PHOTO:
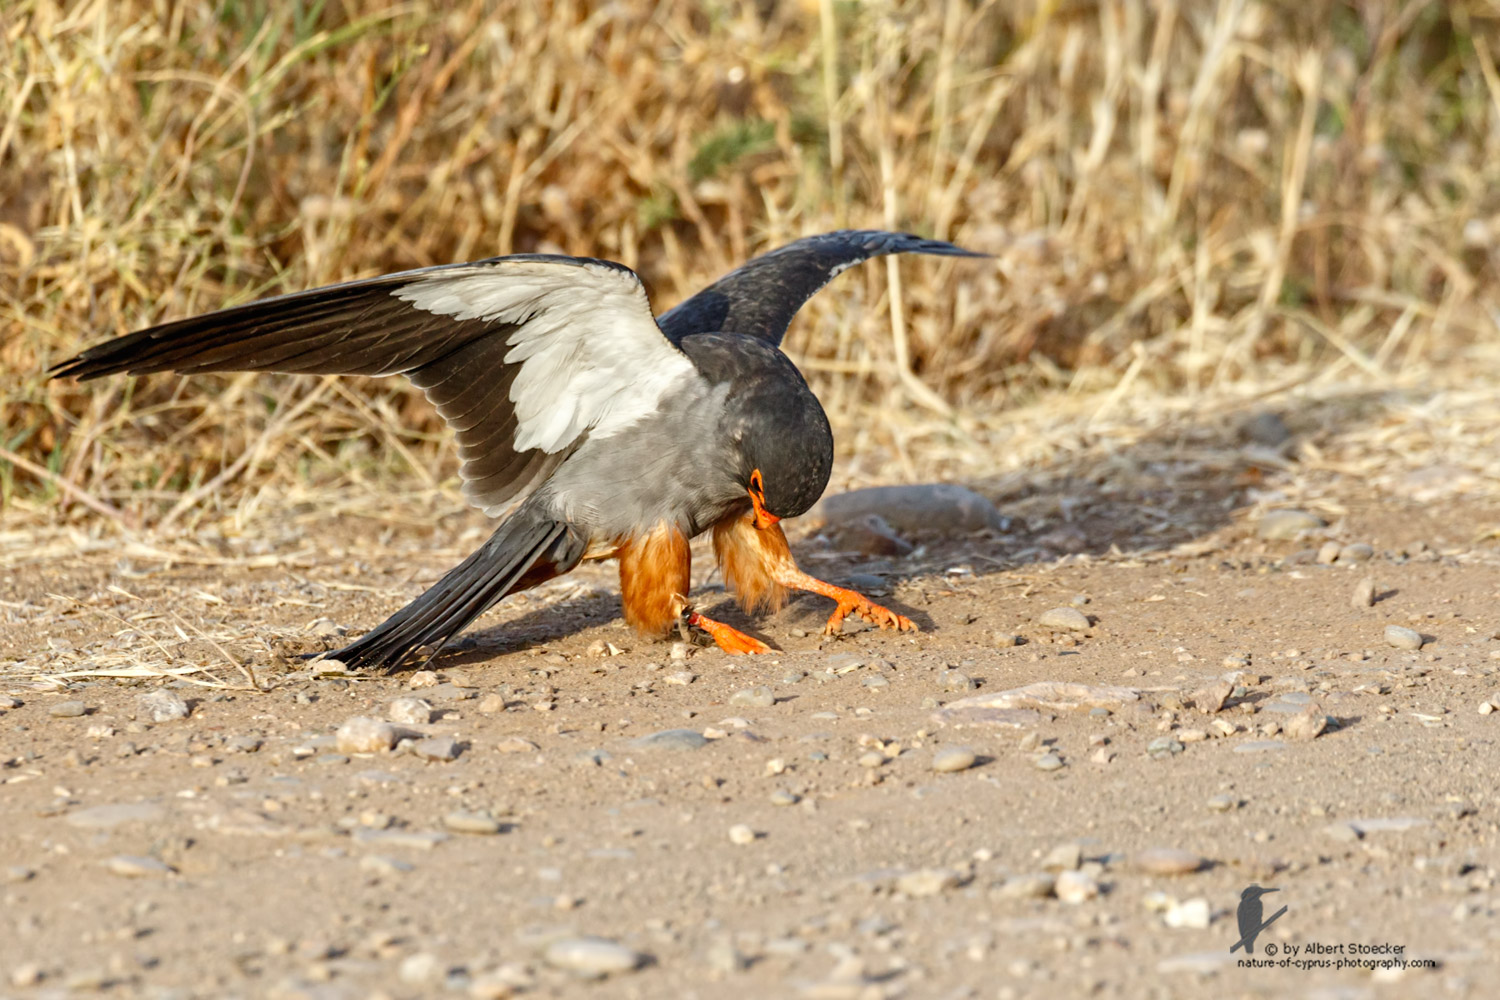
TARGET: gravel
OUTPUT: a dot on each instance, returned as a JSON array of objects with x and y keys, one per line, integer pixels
[
  {"x": 951, "y": 759},
  {"x": 440, "y": 749},
  {"x": 671, "y": 739},
  {"x": 135, "y": 866},
  {"x": 929, "y": 882},
  {"x": 1075, "y": 887},
  {"x": 411, "y": 711},
  {"x": 1194, "y": 914},
  {"x": 1064, "y": 619},
  {"x": 462, "y": 821},
  {"x": 592, "y": 957},
  {"x": 1033, "y": 885},
  {"x": 1168, "y": 861},
  {"x": 1048, "y": 762},
  {"x": 760, "y": 696},
  {"x": 1402, "y": 637},
  {"x": 1307, "y": 724},
  {"x": 362, "y": 734},
  {"x": 161, "y": 706}
]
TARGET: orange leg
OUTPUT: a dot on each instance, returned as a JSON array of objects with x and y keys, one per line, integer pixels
[
  {"x": 759, "y": 564},
  {"x": 849, "y": 601},
  {"x": 731, "y": 641}
]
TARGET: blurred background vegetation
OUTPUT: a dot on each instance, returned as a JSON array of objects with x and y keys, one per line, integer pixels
[{"x": 1185, "y": 194}]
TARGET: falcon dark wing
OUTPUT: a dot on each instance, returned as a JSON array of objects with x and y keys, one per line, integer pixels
[{"x": 760, "y": 298}]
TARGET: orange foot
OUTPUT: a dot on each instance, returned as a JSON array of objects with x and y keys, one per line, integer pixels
[
  {"x": 857, "y": 604},
  {"x": 731, "y": 641}
]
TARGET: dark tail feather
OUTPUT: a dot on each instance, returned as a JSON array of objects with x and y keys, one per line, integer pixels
[{"x": 466, "y": 591}]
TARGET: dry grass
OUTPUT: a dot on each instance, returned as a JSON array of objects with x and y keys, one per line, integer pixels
[{"x": 1181, "y": 196}]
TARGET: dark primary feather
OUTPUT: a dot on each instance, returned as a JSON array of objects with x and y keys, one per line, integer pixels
[
  {"x": 465, "y": 366},
  {"x": 760, "y": 298}
]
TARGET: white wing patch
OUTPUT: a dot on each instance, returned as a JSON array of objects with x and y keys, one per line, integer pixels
[{"x": 592, "y": 357}]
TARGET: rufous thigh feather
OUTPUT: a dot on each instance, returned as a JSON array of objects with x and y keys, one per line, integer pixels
[
  {"x": 753, "y": 561},
  {"x": 655, "y": 576}
]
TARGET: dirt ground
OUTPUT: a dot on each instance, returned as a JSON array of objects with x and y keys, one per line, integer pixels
[{"x": 807, "y": 847}]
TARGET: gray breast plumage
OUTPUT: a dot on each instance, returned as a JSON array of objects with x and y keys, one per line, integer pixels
[{"x": 674, "y": 466}]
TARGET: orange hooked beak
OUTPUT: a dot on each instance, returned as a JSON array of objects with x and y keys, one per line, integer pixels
[{"x": 762, "y": 517}]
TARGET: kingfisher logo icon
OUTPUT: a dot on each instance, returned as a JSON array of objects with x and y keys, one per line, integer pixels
[{"x": 1249, "y": 917}]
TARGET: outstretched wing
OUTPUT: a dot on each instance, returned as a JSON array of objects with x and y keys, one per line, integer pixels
[
  {"x": 760, "y": 298},
  {"x": 523, "y": 356}
]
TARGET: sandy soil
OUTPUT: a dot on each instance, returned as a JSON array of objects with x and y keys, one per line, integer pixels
[{"x": 255, "y": 859}]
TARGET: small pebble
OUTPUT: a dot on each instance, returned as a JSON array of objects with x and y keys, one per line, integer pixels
[
  {"x": 1075, "y": 887},
  {"x": 1048, "y": 762},
  {"x": 28, "y": 974},
  {"x": 782, "y": 797},
  {"x": 1307, "y": 724},
  {"x": 928, "y": 882},
  {"x": 1164, "y": 746},
  {"x": 592, "y": 957},
  {"x": 436, "y": 748},
  {"x": 1223, "y": 803},
  {"x": 362, "y": 734},
  {"x": 461, "y": 821},
  {"x": 1211, "y": 699},
  {"x": 161, "y": 706},
  {"x": 671, "y": 739},
  {"x": 410, "y": 711},
  {"x": 1193, "y": 914},
  {"x": 1343, "y": 832},
  {"x": 1328, "y": 553},
  {"x": 135, "y": 866},
  {"x": 877, "y": 681},
  {"x": 1403, "y": 638},
  {"x": 755, "y": 697},
  {"x": 1030, "y": 886},
  {"x": 1064, "y": 619},
  {"x": 492, "y": 704},
  {"x": 871, "y": 759},
  {"x": 741, "y": 834},
  {"x": 1356, "y": 552},
  {"x": 955, "y": 680},
  {"x": 725, "y": 959},
  {"x": 243, "y": 743},
  {"x": 1364, "y": 594},
  {"x": 68, "y": 710},
  {"x": 420, "y": 969},
  {"x": 1168, "y": 861},
  {"x": 950, "y": 759},
  {"x": 1063, "y": 857}
]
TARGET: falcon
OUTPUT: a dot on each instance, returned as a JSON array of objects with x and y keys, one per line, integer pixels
[{"x": 622, "y": 434}]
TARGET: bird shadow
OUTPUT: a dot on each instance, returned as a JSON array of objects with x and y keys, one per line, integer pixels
[{"x": 1172, "y": 490}]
